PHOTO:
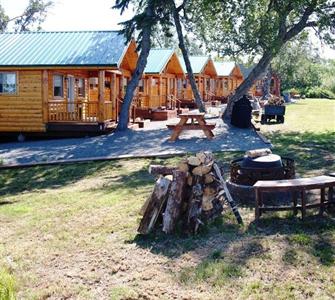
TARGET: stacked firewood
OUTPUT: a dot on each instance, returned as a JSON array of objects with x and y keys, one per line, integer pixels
[{"x": 188, "y": 195}]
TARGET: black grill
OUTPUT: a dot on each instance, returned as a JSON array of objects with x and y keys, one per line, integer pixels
[{"x": 241, "y": 114}]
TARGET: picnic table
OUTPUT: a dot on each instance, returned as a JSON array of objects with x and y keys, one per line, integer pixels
[{"x": 197, "y": 122}]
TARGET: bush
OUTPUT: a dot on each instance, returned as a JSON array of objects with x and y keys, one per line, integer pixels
[
  {"x": 319, "y": 92},
  {"x": 7, "y": 286}
]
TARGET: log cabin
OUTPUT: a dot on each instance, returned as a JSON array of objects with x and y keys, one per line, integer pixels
[
  {"x": 205, "y": 75},
  {"x": 256, "y": 89},
  {"x": 157, "y": 90},
  {"x": 63, "y": 81},
  {"x": 229, "y": 78}
]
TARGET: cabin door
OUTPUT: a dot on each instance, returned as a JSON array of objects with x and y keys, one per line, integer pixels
[{"x": 70, "y": 94}]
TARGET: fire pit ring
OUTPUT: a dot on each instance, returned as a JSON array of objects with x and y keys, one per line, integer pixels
[
  {"x": 242, "y": 179},
  {"x": 245, "y": 175}
]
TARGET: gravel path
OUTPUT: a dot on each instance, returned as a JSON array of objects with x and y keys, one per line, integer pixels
[{"x": 150, "y": 141}]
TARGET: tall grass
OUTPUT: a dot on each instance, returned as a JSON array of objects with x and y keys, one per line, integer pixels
[{"x": 7, "y": 286}]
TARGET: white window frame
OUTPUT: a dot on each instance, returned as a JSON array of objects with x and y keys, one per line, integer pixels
[
  {"x": 53, "y": 86},
  {"x": 16, "y": 84},
  {"x": 83, "y": 87}
]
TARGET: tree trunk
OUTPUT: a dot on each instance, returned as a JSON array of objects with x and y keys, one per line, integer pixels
[
  {"x": 136, "y": 77},
  {"x": 184, "y": 51},
  {"x": 174, "y": 201},
  {"x": 248, "y": 82}
]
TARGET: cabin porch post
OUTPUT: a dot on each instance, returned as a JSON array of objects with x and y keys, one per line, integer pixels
[
  {"x": 113, "y": 94},
  {"x": 45, "y": 96},
  {"x": 101, "y": 99}
]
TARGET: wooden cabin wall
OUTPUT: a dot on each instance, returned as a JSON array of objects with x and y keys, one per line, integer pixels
[
  {"x": 157, "y": 88},
  {"x": 23, "y": 112},
  {"x": 187, "y": 93}
]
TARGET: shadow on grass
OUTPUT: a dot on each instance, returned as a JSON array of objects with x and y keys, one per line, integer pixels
[
  {"x": 6, "y": 202},
  {"x": 175, "y": 245},
  {"x": 13, "y": 182},
  {"x": 224, "y": 248},
  {"x": 313, "y": 236},
  {"x": 312, "y": 152}
]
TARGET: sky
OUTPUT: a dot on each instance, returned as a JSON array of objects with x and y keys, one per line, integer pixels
[
  {"x": 89, "y": 15},
  {"x": 74, "y": 14}
]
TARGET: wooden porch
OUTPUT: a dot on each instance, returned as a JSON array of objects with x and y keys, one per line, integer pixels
[{"x": 97, "y": 110}]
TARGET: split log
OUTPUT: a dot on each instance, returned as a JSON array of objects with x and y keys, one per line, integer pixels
[
  {"x": 194, "y": 161},
  {"x": 258, "y": 152},
  {"x": 160, "y": 170},
  {"x": 227, "y": 194},
  {"x": 207, "y": 202},
  {"x": 173, "y": 206},
  {"x": 209, "y": 178},
  {"x": 190, "y": 180},
  {"x": 194, "y": 212},
  {"x": 217, "y": 209},
  {"x": 155, "y": 205},
  {"x": 205, "y": 157},
  {"x": 210, "y": 191},
  {"x": 183, "y": 166},
  {"x": 202, "y": 170}
]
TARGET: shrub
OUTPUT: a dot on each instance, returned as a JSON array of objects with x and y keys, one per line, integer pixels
[
  {"x": 7, "y": 286},
  {"x": 319, "y": 92}
]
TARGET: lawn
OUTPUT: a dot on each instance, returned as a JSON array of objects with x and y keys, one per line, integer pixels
[{"x": 69, "y": 232}]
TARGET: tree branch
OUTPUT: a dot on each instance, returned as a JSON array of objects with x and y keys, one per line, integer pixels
[{"x": 298, "y": 27}]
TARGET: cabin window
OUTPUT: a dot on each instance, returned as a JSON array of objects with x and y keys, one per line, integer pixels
[
  {"x": 81, "y": 87},
  {"x": 8, "y": 83},
  {"x": 58, "y": 86},
  {"x": 93, "y": 83},
  {"x": 185, "y": 83},
  {"x": 141, "y": 86},
  {"x": 225, "y": 85},
  {"x": 153, "y": 82}
]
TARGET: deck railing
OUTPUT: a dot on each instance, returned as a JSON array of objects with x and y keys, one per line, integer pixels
[
  {"x": 77, "y": 111},
  {"x": 172, "y": 102}
]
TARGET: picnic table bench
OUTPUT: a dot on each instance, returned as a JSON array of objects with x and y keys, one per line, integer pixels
[
  {"x": 296, "y": 187},
  {"x": 198, "y": 122}
]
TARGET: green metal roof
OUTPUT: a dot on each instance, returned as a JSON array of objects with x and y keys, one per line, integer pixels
[
  {"x": 224, "y": 68},
  {"x": 157, "y": 60},
  {"x": 77, "y": 48},
  {"x": 198, "y": 63}
]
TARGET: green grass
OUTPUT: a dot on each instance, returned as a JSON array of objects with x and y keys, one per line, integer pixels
[
  {"x": 7, "y": 285},
  {"x": 69, "y": 231},
  {"x": 308, "y": 135},
  {"x": 309, "y": 115}
]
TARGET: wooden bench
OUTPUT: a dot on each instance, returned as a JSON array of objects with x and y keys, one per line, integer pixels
[
  {"x": 295, "y": 187},
  {"x": 191, "y": 126}
]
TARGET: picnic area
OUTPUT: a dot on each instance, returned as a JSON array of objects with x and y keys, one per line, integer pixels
[
  {"x": 70, "y": 230},
  {"x": 166, "y": 150}
]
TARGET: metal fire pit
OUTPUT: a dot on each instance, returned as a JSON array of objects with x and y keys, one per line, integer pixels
[
  {"x": 242, "y": 179},
  {"x": 240, "y": 174}
]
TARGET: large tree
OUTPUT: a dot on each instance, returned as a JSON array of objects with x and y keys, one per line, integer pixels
[
  {"x": 31, "y": 18},
  {"x": 151, "y": 14},
  {"x": 299, "y": 66},
  {"x": 176, "y": 16},
  {"x": 260, "y": 28}
]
